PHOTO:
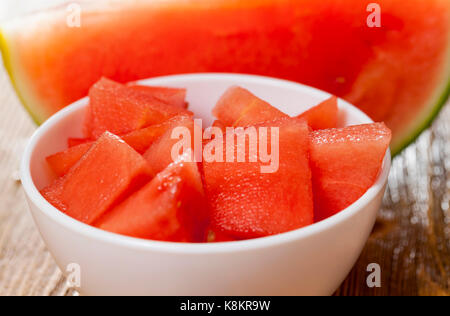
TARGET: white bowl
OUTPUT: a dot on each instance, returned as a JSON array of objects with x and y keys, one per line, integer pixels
[{"x": 309, "y": 261}]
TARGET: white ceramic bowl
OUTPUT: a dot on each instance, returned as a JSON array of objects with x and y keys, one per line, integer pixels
[{"x": 309, "y": 261}]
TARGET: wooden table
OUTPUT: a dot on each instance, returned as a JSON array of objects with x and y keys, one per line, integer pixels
[{"x": 411, "y": 240}]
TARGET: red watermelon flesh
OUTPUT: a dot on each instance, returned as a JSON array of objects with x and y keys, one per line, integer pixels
[
  {"x": 249, "y": 204},
  {"x": 159, "y": 155},
  {"x": 63, "y": 161},
  {"x": 171, "y": 96},
  {"x": 322, "y": 116},
  {"x": 107, "y": 173},
  {"x": 140, "y": 140},
  {"x": 345, "y": 163},
  {"x": 239, "y": 107},
  {"x": 172, "y": 207},
  {"x": 72, "y": 142},
  {"x": 120, "y": 109}
]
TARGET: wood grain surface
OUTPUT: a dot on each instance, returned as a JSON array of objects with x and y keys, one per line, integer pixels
[{"x": 411, "y": 240}]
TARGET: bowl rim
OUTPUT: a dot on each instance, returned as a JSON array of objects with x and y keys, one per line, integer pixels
[{"x": 188, "y": 248}]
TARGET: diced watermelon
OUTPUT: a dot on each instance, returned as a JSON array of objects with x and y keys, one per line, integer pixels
[
  {"x": 345, "y": 163},
  {"x": 140, "y": 140},
  {"x": 105, "y": 175},
  {"x": 322, "y": 116},
  {"x": 172, "y": 207},
  {"x": 72, "y": 142},
  {"x": 120, "y": 109},
  {"x": 159, "y": 155},
  {"x": 63, "y": 161},
  {"x": 247, "y": 203},
  {"x": 239, "y": 107},
  {"x": 171, "y": 96}
]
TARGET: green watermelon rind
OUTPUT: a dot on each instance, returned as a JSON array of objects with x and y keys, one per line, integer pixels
[
  {"x": 9, "y": 68},
  {"x": 439, "y": 105}
]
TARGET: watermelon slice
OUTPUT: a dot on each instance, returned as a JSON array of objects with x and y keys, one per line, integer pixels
[
  {"x": 140, "y": 140},
  {"x": 398, "y": 73},
  {"x": 322, "y": 116},
  {"x": 159, "y": 155},
  {"x": 239, "y": 107},
  {"x": 171, "y": 96},
  {"x": 247, "y": 203},
  {"x": 108, "y": 172},
  {"x": 172, "y": 207},
  {"x": 345, "y": 163},
  {"x": 120, "y": 109},
  {"x": 72, "y": 142},
  {"x": 63, "y": 161}
]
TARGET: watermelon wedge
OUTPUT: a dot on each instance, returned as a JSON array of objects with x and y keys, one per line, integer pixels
[
  {"x": 105, "y": 175},
  {"x": 72, "y": 142},
  {"x": 62, "y": 162},
  {"x": 171, "y": 96},
  {"x": 159, "y": 155},
  {"x": 246, "y": 203},
  {"x": 322, "y": 116},
  {"x": 120, "y": 109},
  {"x": 345, "y": 163},
  {"x": 398, "y": 73},
  {"x": 172, "y": 207},
  {"x": 239, "y": 107}
]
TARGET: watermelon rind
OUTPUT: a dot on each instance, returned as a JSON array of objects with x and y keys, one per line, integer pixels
[
  {"x": 436, "y": 103},
  {"x": 442, "y": 101},
  {"x": 5, "y": 52}
]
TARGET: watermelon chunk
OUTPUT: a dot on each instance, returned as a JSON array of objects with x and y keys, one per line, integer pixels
[
  {"x": 140, "y": 140},
  {"x": 63, "y": 161},
  {"x": 247, "y": 203},
  {"x": 322, "y": 116},
  {"x": 171, "y": 96},
  {"x": 239, "y": 107},
  {"x": 345, "y": 163},
  {"x": 120, "y": 109},
  {"x": 172, "y": 207},
  {"x": 108, "y": 173},
  {"x": 159, "y": 155},
  {"x": 72, "y": 142}
]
